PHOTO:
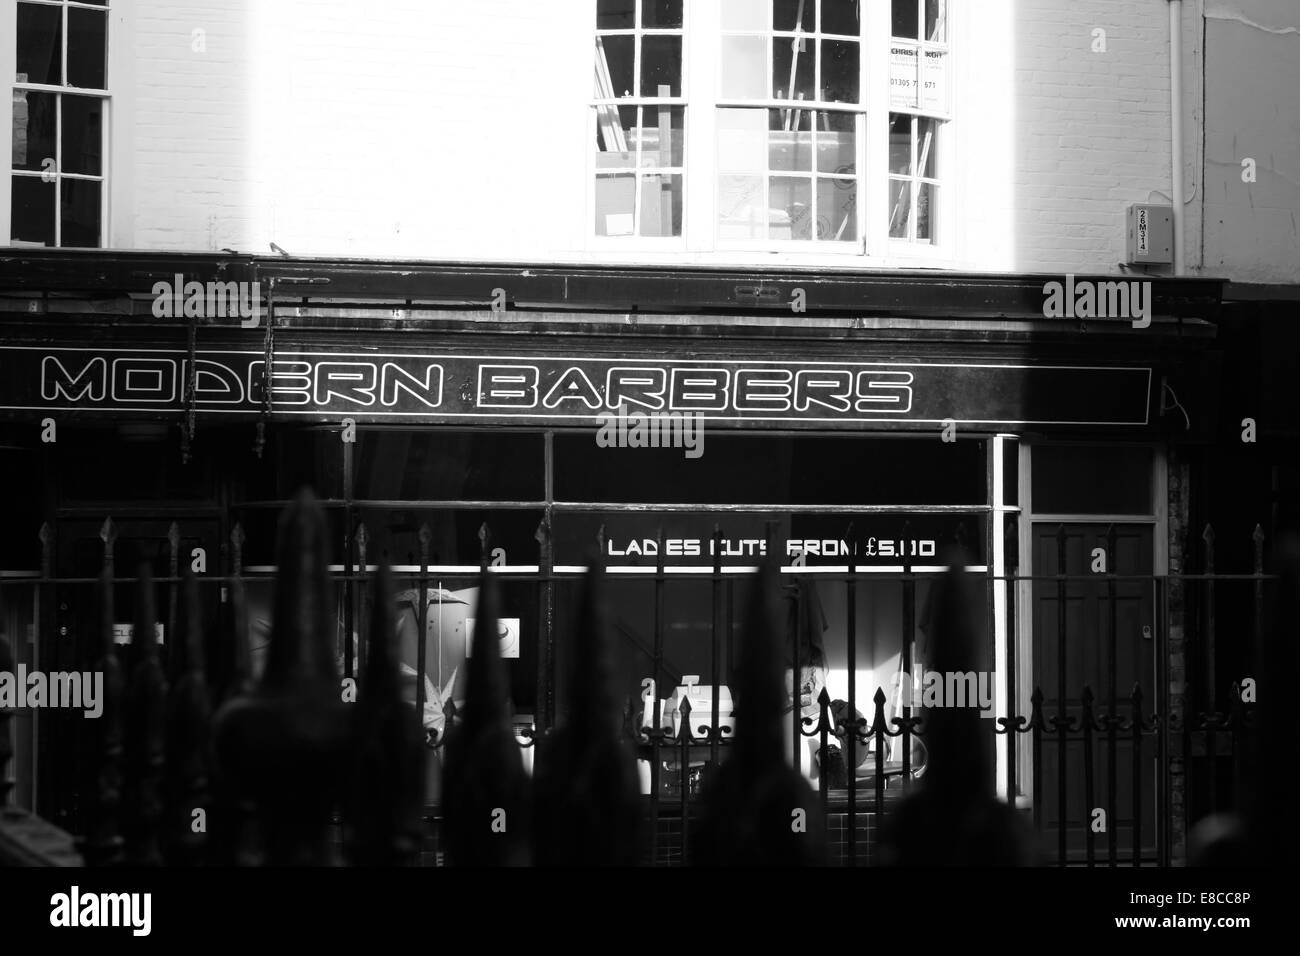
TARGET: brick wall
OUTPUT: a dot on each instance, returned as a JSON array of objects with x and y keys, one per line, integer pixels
[
  {"x": 458, "y": 130},
  {"x": 1091, "y": 130}
]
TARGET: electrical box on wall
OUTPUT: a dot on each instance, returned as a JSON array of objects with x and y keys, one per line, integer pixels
[{"x": 1150, "y": 234}]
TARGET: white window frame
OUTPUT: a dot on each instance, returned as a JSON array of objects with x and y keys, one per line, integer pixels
[
  {"x": 636, "y": 242},
  {"x": 8, "y": 67},
  {"x": 943, "y": 212},
  {"x": 858, "y": 109},
  {"x": 701, "y": 95}
]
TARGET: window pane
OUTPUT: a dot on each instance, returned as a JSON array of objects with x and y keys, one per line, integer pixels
[
  {"x": 836, "y": 143},
  {"x": 431, "y": 465},
  {"x": 900, "y": 144},
  {"x": 661, "y": 205},
  {"x": 32, "y": 211},
  {"x": 790, "y": 141},
  {"x": 936, "y": 20},
  {"x": 615, "y": 205},
  {"x": 661, "y": 14},
  {"x": 34, "y": 139},
  {"x": 900, "y": 207},
  {"x": 661, "y": 136},
  {"x": 80, "y": 212},
  {"x": 83, "y": 134},
  {"x": 790, "y": 205},
  {"x": 614, "y": 66},
  {"x": 905, "y": 14},
  {"x": 87, "y": 33},
  {"x": 926, "y": 211},
  {"x": 744, "y": 67},
  {"x": 740, "y": 207},
  {"x": 745, "y": 15},
  {"x": 927, "y": 146},
  {"x": 615, "y": 14},
  {"x": 841, "y": 16},
  {"x": 615, "y": 142},
  {"x": 40, "y": 44},
  {"x": 661, "y": 66},
  {"x": 839, "y": 71},
  {"x": 758, "y": 469},
  {"x": 1077, "y": 479},
  {"x": 742, "y": 140},
  {"x": 792, "y": 68},
  {"x": 837, "y": 209},
  {"x": 789, "y": 14}
]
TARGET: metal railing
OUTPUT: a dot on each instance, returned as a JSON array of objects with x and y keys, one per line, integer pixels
[{"x": 196, "y": 734}]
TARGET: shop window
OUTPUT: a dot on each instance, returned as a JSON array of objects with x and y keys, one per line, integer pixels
[
  {"x": 761, "y": 469},
  {"x": 394, "y": 535},
  {"x": 440, "y": 465},
  {"x": 640, "y": 122},
  {"x": 1092, "y": 479},
  {"x": 129, "y": 462},
  {"x": 58, "y": 137},
  {"x": 294, "y": 458}
]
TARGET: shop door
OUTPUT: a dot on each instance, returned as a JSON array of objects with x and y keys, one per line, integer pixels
[{"x": 1097, "y": 615}]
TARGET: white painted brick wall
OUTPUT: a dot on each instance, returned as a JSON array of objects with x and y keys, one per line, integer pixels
[
  {"x": 1091, "y": 129},
  {"x": 433, "y": 129}
]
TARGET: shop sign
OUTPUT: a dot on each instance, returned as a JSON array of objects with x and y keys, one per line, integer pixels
[{"x": 436, "y": 387}]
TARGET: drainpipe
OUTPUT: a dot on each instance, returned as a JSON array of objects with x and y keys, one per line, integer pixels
[{"x": 1176, "y": 125}]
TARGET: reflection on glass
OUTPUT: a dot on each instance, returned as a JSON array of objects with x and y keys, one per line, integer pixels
[
  {"x": 660, "y": 135},
  {"x": 31, "y": 209},
  {"x": 40, "y": 44},
  {"x": 615, "y": 205},
  {"x": 839, "y": 61},
  {"x": 82, "y": 135},
  {"x": 615, "y": 145},
  {"x": 836, "y": 142},
  {"x": 744, "y": 67},
  {"x": 740, "y": 207},
  {"x": 790, "y": 140},
  {"x": 842, "y": 17},
  {"x": 745, "y": 15},
  {"x": 661, "y": 66},
  {"x": 927, "y": 146},
  {"x": 926, "y": 199},
  {"x": 790, "y": 207},
  {"x": 79, "y": 212},
  {"x": 794, "y": 14},
  {"x": 614, "y": 66},
  {"x": 742, "y": 139},
  {"x": 33, "y": 128},
  {"x": 87, "y": 35},
  {"x": 615, "y": 14},
  {"x": 905, "y": 19},
  {"x": 792, "y": 68},
  {"x": 936, "y": 20},
  {"x": 661, "y": 14},
  {"x": 900, "y": 143},
  {"x": 837, "y": 209},
  {"x": 661, "y": 205},
  {"x": 900, "y": 208}
]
